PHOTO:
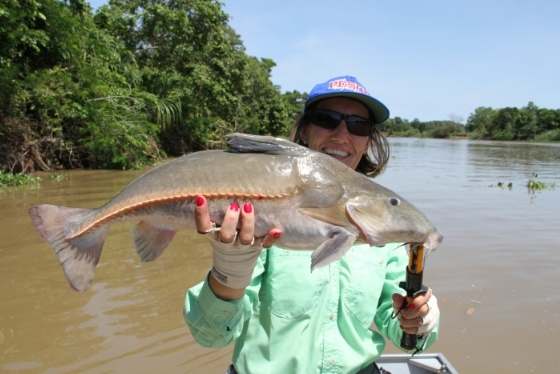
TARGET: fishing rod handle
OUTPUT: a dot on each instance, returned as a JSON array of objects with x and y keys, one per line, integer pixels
[{"x": 413, "y": 286}]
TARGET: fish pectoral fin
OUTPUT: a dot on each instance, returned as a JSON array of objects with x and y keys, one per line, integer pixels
[
  {"x": 150, "y": 240},
  {"x": 78, "y": 255},
  {"x": 333, "y": 215},
  {"x": 246, "y": 143},
  {"x": 365, "y": 224},
  {"x": 333, "y": 249}
]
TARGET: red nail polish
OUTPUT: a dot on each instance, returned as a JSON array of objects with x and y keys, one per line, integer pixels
[
  {"x": 248, "y": 208},
  {"x": 277, "y": 234},
  {"x": 234, "y": 207},
  {"x": 411, "y": 307},
  {"x": 199, "y": 201}
]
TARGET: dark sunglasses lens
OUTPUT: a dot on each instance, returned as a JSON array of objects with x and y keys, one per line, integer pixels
[
  {"x": 324, "y": 120},
  {"x": 359, "y": 127},
  {"x": 356, "y": 125}
]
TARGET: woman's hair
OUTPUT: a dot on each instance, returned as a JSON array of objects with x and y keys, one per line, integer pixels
[{"x": 378, "y": 147}]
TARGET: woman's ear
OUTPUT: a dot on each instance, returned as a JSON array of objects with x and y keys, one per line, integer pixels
[{"x": 303, "y": 134}]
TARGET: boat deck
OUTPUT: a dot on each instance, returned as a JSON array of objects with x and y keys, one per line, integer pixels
[{"x": 418, "y": 364}]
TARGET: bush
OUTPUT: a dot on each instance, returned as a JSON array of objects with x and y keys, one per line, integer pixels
[
  {"x": 446, "y": 131},
  {"x": 9, "y": 179},
  {"x": 549, "y": 136},
  {"x": 408, "y": 133},
  {"x": 121, "y": 144}
]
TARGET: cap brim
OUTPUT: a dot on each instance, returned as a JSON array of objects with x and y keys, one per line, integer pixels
[{"x": 380, "y": 111}]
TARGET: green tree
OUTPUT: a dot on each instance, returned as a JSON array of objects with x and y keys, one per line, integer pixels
[
  {"x": 105, "y": 91},
  {"x": 295, "y": 102},
  {"x": 479, "y": 122},
  {"x": 526, "y": 122},
  {"x": 418, "y": 125},
  {"x": 446, "y": 130},
  {"x": 70, "y": 87},
  {"x": 191, "y": 58},
  {"x": 548, "y": 119},
  {"x": 502, "y": 124}
]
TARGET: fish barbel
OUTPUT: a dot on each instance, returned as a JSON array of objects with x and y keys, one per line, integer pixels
[{"x": 316, "y": 200}]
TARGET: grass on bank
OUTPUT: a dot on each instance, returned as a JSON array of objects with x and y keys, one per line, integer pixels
[{"x": 10, "y": 179}]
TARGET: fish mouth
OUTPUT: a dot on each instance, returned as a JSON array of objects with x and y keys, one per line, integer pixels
[{"x": 433, "y": 241}]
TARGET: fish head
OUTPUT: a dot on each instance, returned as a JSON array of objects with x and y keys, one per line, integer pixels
[{"x": 384, "y": 218}]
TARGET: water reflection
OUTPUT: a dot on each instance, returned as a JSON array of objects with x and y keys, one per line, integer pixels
[
  {"x": 498, "y": 262},
  {"x": 513, "y": 163},
  {"x": 132, "y": 314}
]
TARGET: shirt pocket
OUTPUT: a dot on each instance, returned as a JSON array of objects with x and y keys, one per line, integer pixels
[
  {"x": 364, "y": 271},
  {"x": 290, "y": 288}
]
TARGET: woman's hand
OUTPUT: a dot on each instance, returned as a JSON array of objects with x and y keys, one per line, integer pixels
[
  {"x": 421, "y": 315},
  {"x": 235, "y": 252}
]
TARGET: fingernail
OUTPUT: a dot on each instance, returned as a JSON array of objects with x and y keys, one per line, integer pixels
[
  {"x": 248, "y": 208},
  {"x": 411, "y": 307},
  {"x": 277, "y": 234},
  {"x": 199, "y": 201},
  {"x": 234, "y": 207}
]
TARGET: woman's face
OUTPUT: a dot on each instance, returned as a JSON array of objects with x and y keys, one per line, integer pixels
[{"x": 338, "y": 143}]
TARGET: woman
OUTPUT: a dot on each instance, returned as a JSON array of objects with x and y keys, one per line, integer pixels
[{"x": 284, "y": 318}]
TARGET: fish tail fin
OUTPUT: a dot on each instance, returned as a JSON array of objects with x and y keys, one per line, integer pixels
[
  {"x": 150, "y": 240},
  {"x": 79, "y": 255}
]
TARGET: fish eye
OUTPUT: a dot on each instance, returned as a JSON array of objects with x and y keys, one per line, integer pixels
[{"x": 394, "y": 201}]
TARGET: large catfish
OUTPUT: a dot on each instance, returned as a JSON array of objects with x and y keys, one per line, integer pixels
[{"x": 316, "y": 200}]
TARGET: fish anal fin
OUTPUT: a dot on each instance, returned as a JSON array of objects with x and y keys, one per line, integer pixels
[
  {"x": 332, "y": 249},
  {"x": 150, "y": 240},
  {"x": 334, "y": 215},
  {"x": 79, "y": 255}
]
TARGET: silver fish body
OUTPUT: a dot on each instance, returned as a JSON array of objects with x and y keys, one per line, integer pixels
[{"x": 317, "y": 202}]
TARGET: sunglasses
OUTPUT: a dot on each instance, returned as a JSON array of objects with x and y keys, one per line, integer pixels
[{"x": 329, "y": 119}]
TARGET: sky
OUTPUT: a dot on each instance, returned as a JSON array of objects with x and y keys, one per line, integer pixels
[{"x": 428, "y": 59}]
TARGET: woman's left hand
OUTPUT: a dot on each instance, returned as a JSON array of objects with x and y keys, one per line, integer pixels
[{"x": 420, "y": 316}]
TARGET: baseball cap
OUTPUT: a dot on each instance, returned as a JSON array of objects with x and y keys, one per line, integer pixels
[{"x": 347, "y": 86}]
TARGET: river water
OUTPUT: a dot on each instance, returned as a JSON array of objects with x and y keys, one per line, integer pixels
[{"x": 496, "y": 273}]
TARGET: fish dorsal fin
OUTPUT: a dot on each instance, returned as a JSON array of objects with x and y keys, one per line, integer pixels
[{"x": 246, "y": 143}]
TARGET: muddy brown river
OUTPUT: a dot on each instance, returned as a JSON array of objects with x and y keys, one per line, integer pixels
[{"x": 496, "y": 273}]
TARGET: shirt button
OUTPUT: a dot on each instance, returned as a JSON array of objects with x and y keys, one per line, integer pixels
[
  {"x": 380, "y": 261},
  {"x": 331, "y": 361},
  {"x": 331, "y": 316}
]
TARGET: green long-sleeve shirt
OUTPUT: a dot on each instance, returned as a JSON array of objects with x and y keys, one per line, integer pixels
[{"x": 291, "y": 320}]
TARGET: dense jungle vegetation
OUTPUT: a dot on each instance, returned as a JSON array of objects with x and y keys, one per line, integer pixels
[
  {"x": 529, "y": 123},
  {"x": 141, "y": 80},
  {"x": 136, "y": 82}
]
